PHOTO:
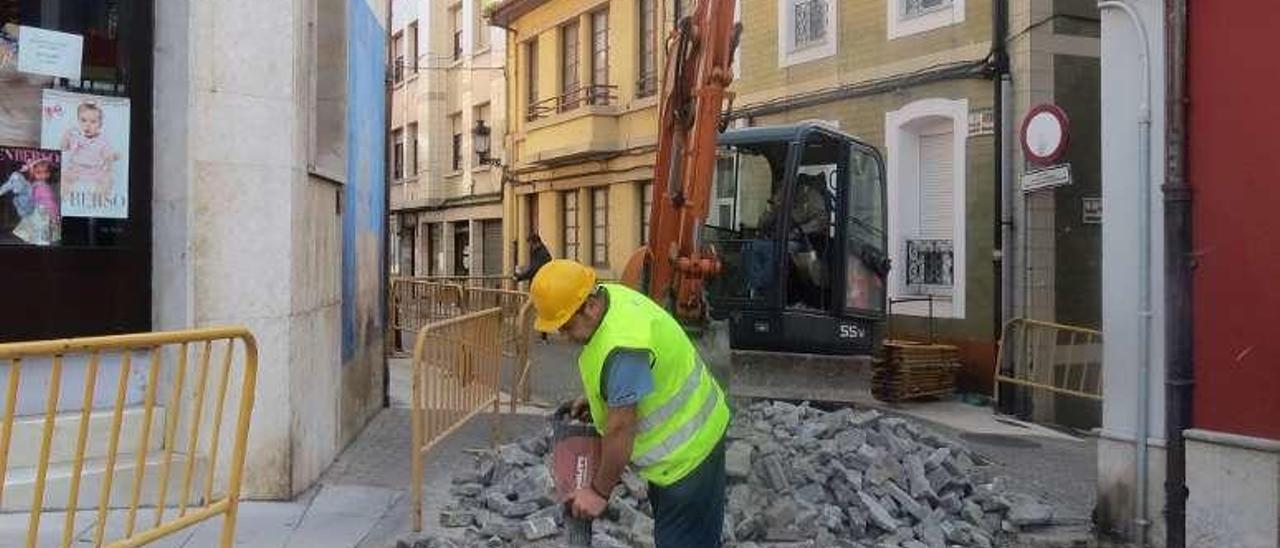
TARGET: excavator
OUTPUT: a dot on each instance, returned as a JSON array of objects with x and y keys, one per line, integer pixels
[{"x": 768, "y": 242}]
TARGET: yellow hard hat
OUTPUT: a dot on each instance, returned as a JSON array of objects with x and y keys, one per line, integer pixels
[{"x": 558, "y": 290}]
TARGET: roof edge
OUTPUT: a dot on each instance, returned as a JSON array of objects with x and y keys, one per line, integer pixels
[{"x": 509, "y": 10}]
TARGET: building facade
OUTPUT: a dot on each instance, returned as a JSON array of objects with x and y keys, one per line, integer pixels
[
  {"x": 583, "y": 96},
  {"x": 254, "y": 194},
  {"x": 1231, "y": 445},
  {"x": 1233, "y": 448},
  {"x": 448, "y": 119},
  {"x": 856, "y": 65},
  {"x": 1052, "y": 248}
]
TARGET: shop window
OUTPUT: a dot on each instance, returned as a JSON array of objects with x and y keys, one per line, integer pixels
[{"x": 69, "y": 123}]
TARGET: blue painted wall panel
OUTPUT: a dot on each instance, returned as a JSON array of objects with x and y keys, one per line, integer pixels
[{"x": 364, "y": 216}]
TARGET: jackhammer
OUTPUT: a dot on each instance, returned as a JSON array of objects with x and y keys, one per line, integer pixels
[{"x": 575, "y": 455}]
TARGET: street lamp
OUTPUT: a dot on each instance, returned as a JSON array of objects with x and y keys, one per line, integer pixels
[{"x": 481, "y": 139}]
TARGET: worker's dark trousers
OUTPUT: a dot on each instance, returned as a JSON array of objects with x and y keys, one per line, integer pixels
[{"x": 690, "y": 512}]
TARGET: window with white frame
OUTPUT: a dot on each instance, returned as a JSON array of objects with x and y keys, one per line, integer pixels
[
  {"x": 411, "y": 58},
  {"x": 810, "y": 22},
  {"x": 600, "y": 227},
  {"x": 646, "y": 211},
  {"x": 908, "y": 17},
  {"x": 481, "y": 26},
  {"x": 930, "y": 264},
  {"x": 569, "y": 221},
  {"x": 807, "y": 30},
  {"x": 926, "y": 143},
  {"x": 397, "y": 155},
  {"x": 480, "y": 113},
  {"x": 397, "y": 46},
  {"x": 411, "y": 151},
  {"x": 917, "y": 8},
  {"x": 455, "y": 17},
  {"x": 647, "y": 79},
  {"x": 455, "y": 148}
]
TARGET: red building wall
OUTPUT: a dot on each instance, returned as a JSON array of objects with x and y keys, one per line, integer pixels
[{"x": 1234, "y": 169}]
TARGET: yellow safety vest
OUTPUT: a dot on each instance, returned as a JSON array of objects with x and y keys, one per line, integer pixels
[{"x": 678, "y": 423}]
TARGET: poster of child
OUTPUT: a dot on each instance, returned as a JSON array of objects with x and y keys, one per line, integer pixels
[
  {"x": 29, "y": 209},
  {"x": 93, "y": 134}
]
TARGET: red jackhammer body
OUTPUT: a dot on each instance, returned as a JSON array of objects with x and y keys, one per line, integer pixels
[{"x": 575, "y": 455}]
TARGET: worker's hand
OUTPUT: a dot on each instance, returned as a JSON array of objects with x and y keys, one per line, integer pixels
[
  {"x": 579, "y": 409},
  {"x": 586, "y": 504},
  {"x": 576, "y": 409}
]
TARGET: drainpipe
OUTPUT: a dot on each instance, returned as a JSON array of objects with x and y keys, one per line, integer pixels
[
  {"x": 1000, "y": 96},
  {"x": 1178, "y": 262},
  {"x": 386, "y": 205},
  {"x": 1141, "y": 433}
]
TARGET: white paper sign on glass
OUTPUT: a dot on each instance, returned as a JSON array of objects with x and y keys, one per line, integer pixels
[{"x": 50, "y": 53}]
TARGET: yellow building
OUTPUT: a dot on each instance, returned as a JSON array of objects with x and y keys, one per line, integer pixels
[
  {"x": 583, "y": 83},
  {"x": 447, "y": 106}
]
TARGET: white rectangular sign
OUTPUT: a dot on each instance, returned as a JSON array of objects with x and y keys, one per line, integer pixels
[
  {"x": 1091, "y": 210},
  {"x": 50, "y": 53},
  {"x": 1050, "y": 177}
]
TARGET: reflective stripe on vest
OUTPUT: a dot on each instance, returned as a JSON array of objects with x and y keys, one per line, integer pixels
[
  {"x": 684, "y": 434},
  {"x": 660, "y": 415}
]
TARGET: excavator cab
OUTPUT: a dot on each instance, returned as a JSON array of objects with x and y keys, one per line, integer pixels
[{"x": 797, "y": 218}]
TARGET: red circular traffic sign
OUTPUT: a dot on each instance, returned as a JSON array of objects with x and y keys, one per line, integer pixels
[{"x": 1045, "y": 134}]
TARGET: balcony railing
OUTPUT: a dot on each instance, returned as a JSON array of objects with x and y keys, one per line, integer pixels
[
  {"x": 596, "y": 95},
  {"x": 930, "y": 266}
]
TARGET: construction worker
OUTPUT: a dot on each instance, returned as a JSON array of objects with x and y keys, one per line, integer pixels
[{"x": 649, "y": 395}]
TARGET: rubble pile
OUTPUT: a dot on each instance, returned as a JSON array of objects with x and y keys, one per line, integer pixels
[{"x": 798, "y": 476}]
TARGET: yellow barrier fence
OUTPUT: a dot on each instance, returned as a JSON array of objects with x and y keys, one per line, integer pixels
[
  {"x": 523, "y": 356},
  {"x": 483, "y": 282},
  {"x": 159, "y": 430},
  {"x": 511, "y": 303},
  {"x": 457, "y": 373},
  {"x": 414, "y": 303},
  {"x": 1050, "y": 357}
]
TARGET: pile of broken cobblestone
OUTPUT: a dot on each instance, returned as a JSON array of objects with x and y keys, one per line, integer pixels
[{"x": 798, "y": 477}]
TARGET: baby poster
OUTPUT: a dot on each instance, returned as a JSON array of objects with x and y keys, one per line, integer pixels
[
  {"x": 29, "y": 209},
  {"x": 92, "y": 132}
]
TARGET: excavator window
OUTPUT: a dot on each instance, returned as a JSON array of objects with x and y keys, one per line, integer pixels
[
  {"x": 866, "y": 260},
  {"x": 810, "y": 232},
  {"x": 798, "y": 226},
  {"x": 744, "y": 182}
]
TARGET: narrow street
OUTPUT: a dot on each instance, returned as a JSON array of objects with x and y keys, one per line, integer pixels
[{"x": 362, "y": 500}]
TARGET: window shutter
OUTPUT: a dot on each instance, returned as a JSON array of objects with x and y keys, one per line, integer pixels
[
  {"x": 492, "y": 234},
  {"x": 937, "y": 202}
]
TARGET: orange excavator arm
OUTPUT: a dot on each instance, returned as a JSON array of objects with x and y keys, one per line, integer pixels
[{"x": 673, "y": 266}]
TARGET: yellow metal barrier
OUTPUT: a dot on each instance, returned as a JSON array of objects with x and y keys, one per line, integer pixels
[
  {"x": 414, "y": 303},
  {"x": 484, "y": 282},
  {"x": 511, "y": 303},
  {"x": 523, "y": 358},
  {"x": 457, "y": 373},
  {"x": 417, "y": 302},
  {"x": 186, "y": 416},
  {"x": 1050, "y": 357}
]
